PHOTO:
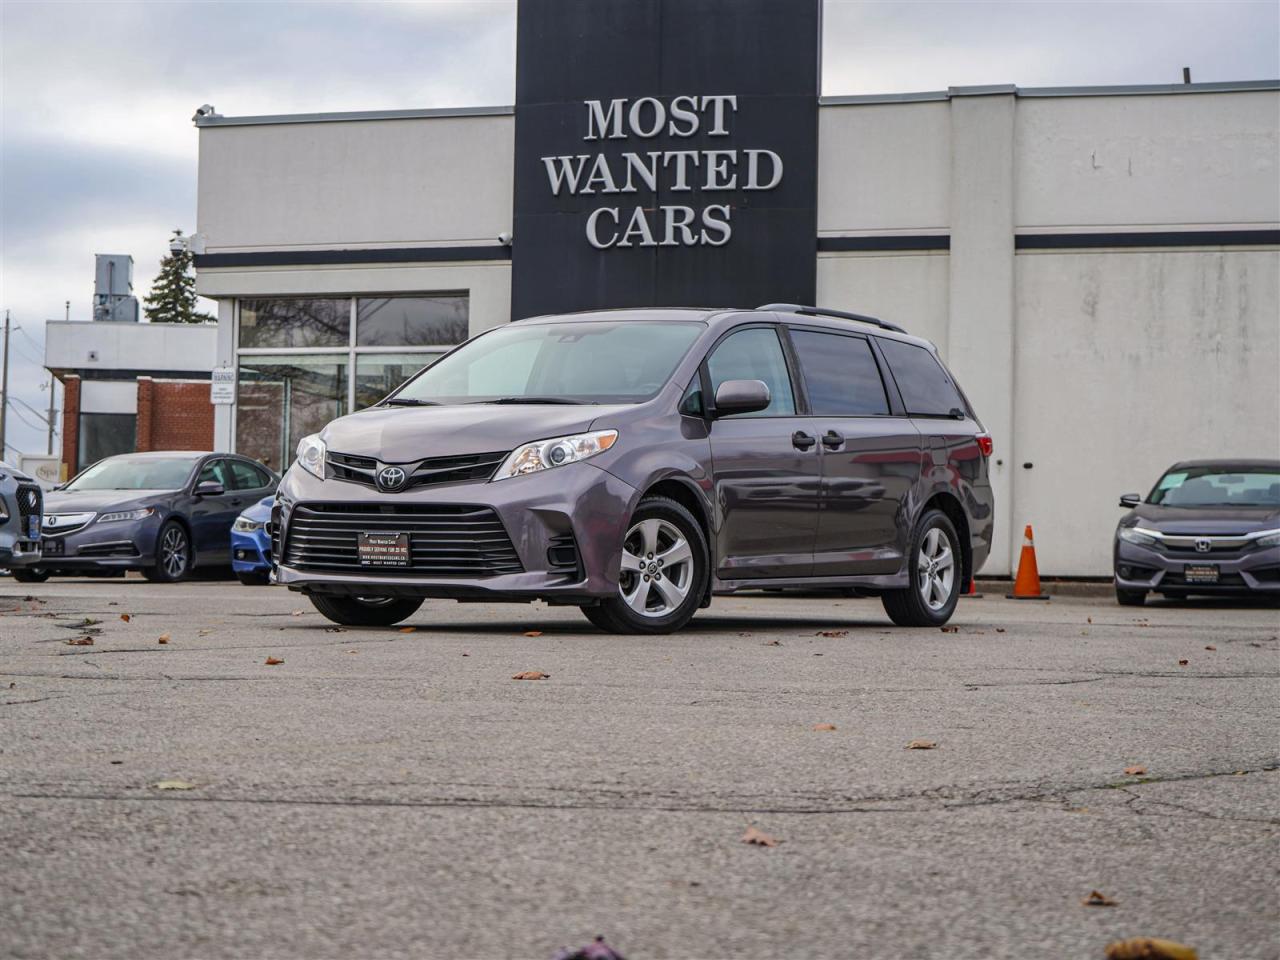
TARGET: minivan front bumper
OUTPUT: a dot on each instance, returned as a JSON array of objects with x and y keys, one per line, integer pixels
[{"x": 565, "y": 525}]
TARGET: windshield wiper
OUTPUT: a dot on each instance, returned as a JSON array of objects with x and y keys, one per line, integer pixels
[
  {"x": 410, "y": 402},
  {"x": 534, "y": 400}
]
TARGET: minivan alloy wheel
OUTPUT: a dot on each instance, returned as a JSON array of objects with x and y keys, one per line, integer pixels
[
  {"x": 657, "y": 568},
  {"x": 936, "y": 569}
]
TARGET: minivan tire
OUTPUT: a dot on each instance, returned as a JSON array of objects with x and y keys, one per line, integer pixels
[
  {"x": 371, "y": 612},
  {"x": 615, "y": 615},
  {"x": 907, "y": 607}
]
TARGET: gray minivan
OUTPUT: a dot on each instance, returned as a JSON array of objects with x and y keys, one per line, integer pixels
[{"x": 635, "y": 463}]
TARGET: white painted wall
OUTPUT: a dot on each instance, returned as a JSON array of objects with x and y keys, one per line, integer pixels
[
  {"x": 129, "y": 346},
  {"x": 909, "y": 289},
  {"x": 1126, "y": 363},
  {"x": 370, "y": 183}
]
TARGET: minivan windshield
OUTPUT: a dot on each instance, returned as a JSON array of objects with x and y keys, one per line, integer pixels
[
  {"x": 129, "y": 473},
  {"x": 584, "y": 361},
  {"x": 1218, "y": 487}
]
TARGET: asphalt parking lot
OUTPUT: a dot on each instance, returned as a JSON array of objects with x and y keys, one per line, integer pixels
[{"x": 386, "y": 793}]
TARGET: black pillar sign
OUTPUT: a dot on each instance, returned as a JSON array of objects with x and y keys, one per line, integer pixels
[{"x": 665, "y": 154}]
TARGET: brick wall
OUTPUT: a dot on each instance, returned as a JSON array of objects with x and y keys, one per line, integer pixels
[
  {"x": 70, "y": 425},
  {"x": 174, "y": 415}
]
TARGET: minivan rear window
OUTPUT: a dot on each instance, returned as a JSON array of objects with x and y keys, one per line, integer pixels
[{"x": 926, "y": 389}]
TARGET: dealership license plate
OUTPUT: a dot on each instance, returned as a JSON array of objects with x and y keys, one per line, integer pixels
[
  {"x": 1200, "y": 573},
  {"x": 383, "y": 549},
  {"x": 55, "y": 548}
]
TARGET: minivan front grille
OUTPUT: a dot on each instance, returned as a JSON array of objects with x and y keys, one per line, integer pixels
[
  {"x": 30, "y": 499},
  {"x": 430, "y": 472},
  {"x": 445, "y": 540}
]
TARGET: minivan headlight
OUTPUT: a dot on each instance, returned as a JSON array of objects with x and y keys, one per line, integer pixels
[
  {"x": 556, "y": 452},
  {"x": 1136, "y": 535},
  {"x": 311, "y": 451},
  {"x": 139, "y": 514}
]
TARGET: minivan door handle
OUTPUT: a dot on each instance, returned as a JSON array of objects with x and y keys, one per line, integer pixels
[
  {"x": 801, "y": 440},
  {"x": 832, "y": 440}
]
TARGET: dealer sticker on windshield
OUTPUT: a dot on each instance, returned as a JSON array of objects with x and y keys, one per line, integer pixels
[{"x": 383, "y": 549}]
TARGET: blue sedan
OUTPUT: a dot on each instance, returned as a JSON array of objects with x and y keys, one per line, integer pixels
[{"x": 251, "y": 544}]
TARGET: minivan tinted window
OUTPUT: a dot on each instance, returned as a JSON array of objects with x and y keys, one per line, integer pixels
[
  {"x": 840, "y": 374},
  {"x": 754, "y": 354},
  {"x": 926, "y": 389}
]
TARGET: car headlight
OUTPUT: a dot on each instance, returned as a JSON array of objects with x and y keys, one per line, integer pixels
[
  {"x": 1270, "y": 539},
  {"x": 556, "y": 452},
  {"x": 140, "y": 514},
  {"x": 1136, "y": 535},
  {"x": 311, "y": 453},
  {"x": 245, "y": 525}
]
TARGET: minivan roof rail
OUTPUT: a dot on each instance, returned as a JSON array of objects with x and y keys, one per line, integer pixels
[{"x": 828, "y": 312}]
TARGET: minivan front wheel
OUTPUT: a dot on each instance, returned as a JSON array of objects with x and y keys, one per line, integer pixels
[
  {"x": 366, "y": 611},
  {"x": 664, "y": 572},
  {"x": 935, "y": 567}
]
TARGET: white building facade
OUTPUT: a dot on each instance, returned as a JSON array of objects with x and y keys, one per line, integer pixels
[{"x": 1100, "y": 267}]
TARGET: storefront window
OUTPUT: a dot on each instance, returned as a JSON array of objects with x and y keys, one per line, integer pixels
[
  {"x": 105, "y": 435},
  {"x": 282, "y": 398},
  {"x": 411, "y": 321},
  {"x": 377, "y": 374},
  {"x": 295, "y": 323}
]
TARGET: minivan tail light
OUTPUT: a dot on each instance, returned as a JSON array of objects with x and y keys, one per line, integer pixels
[{"x": 985, "y": 444}]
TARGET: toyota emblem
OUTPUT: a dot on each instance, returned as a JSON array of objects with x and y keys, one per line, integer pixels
[
  {"x": 1203, "y": 544},
  {"x": 391, "y": 478}
]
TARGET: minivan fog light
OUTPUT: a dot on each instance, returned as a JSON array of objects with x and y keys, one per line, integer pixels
[{"x": 556, "y": 452}]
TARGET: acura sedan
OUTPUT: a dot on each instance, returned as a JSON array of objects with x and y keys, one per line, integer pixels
[{"x": 163, "y": 513}]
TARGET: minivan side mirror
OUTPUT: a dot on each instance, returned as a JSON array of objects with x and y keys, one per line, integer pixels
[
  {"x": 741, "y": 396},
  {"x": 1130, "y": 500},
  {"x": 209, "y": 488}
]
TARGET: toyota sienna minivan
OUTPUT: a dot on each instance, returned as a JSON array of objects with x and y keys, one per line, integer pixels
[{"x": 635, "y": 463}]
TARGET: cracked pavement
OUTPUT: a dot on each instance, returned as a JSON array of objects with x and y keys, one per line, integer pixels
[{"x": 392, "y": 794}]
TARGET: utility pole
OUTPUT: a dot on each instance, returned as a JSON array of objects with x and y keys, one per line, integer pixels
[
  {"x": 4, "y": 384},
  {"x": 53, "y": 385}
]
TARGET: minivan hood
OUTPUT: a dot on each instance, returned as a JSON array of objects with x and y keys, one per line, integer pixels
[
  {"x": 74, "y": 501},
  {"x": 1205, "y": 520},
  {"x": 407, "y": 434}
]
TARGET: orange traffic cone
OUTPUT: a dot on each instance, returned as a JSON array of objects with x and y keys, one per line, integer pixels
[
  {"x": 1027, "y": 584},
  {"x": 972, "y": 593}
]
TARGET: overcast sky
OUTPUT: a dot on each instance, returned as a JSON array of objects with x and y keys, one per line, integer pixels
[{"x": 99, "y": 155}]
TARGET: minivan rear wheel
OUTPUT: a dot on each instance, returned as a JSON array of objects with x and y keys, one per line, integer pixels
[
  {"x": 366, "y": 611},
  {"x": 664, "y": 572},
  {"x": 935, "y": 566}
]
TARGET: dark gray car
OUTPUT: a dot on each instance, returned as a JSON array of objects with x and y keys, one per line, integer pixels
[
  {"x": 636, "y": 462},
  {"x": 1207, "y": 527},
  {"x": 163, "y": 513},
  {"x": 20, "y": 503}
]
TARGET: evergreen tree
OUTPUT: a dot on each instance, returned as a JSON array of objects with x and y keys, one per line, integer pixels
[{"x": 173, "y": 294}]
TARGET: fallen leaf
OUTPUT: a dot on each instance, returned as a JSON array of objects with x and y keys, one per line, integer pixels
[
  {"x": 533, "y": 633},
  {"x": 173, "y": 785},
  {"x": 949, "y": 629},
  {"x": 408, "y": 629},
  {"x": 1149, "y": 948},
  {"x": 920, "y": 745},
  {"x": 824, "y": 726},
  {"x": 1000, "y": 630},
  {"x": 296, "y": 613},
  {"x": 1211, "y": 647},
  {"x": 125, "y": 617},
  {"x": 353, "y": 651},
  {"x": 1183, "y": 663},
  {"x": 1096, "y": 899},
  {"x": 531, "y": 675},
  {"x": 333, "y": 630},
  {"x": 85, "y": 641},
  {"x": 758, "y": 838},
  {"x": 817, "y": 654},
  {"x": 1137, "y": 770},
  {"x": 272, "y": 661},
  {"x": 163, "y": 638},
  {"x": 832, "y": 633},
  {"x": 772, "y": 643},
  {"x": 466, "y": 654},
  {"x": 89, "y": 622},
  {"x": 1090, "y": 620}
]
